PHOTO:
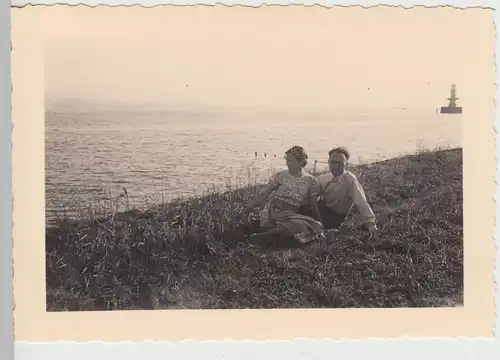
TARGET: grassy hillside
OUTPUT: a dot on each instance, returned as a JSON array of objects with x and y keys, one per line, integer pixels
[{"x": 186, "y": 254}]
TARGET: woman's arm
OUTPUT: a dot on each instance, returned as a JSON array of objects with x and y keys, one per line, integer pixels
[
  {"x": 259, "y": 200},
  {"x": 313, "y": 204},
  {"x": 263, "y": 195},
  {"x": 312, "y": 199}
]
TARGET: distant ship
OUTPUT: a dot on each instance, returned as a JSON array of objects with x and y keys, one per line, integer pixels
[{"x": 452, "y": 108}]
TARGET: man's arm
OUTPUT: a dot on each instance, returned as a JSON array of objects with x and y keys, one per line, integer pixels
[{"x": 359, "y": 199}]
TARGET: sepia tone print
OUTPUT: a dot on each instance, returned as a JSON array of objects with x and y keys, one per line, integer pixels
[{"x": 238, "y": 169}]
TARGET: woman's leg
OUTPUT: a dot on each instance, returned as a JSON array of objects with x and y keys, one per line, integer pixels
[
  {"x": 276, "y": 237},
  {"x": 249, "y": 224},
  {"x": 276, "y": 231},
  {"x": 289, "y": 227}
]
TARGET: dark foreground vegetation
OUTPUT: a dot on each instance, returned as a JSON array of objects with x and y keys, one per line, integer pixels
[{"x": 187, "y": 254}]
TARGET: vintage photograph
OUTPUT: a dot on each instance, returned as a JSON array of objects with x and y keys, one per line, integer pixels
[{"x": 255, "y": 161}]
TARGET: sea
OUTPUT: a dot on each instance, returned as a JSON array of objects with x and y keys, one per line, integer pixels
[{"x": 100, "y": 160}]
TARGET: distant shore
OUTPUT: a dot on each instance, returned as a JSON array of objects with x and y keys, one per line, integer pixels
[{"x": 187, "y": 254}]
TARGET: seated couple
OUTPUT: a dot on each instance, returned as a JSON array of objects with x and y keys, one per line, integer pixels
[{"x": 294, "y": 204}]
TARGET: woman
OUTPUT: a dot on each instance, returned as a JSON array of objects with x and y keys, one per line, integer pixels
[{"x": 284, "y": 195}]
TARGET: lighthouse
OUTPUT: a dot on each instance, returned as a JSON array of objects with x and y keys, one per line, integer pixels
[{"x": 452, "y": 107}]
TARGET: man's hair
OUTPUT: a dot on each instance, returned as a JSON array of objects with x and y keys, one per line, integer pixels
[{"x": 340, "y": 150}]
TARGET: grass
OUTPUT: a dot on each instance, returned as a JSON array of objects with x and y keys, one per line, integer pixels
[{"x": 187, "y": 254}]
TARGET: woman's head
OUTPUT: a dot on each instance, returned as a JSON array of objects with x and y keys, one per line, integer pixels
[
  {"x": 338, "y": 160},
  {"x": 296, "y": 158}
]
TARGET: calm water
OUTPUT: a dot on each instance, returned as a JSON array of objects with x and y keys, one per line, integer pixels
[{"x": 167, "y": 155}]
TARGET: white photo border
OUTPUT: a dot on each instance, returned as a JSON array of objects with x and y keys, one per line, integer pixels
[{"x": 298, "y": 349}]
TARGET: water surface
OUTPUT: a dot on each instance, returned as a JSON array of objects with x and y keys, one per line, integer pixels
[{"x": 165, "y": 155}]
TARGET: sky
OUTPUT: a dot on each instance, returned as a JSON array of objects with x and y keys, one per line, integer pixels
[{"x": 269, "y": 58}]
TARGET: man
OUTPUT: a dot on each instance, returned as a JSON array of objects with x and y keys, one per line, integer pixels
[{"x": 339, "y": 191}]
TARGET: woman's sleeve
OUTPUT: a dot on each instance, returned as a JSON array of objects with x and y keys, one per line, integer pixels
[
  {"x": 273, "y": 182},
  {"x": 309, "y": 192}
]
